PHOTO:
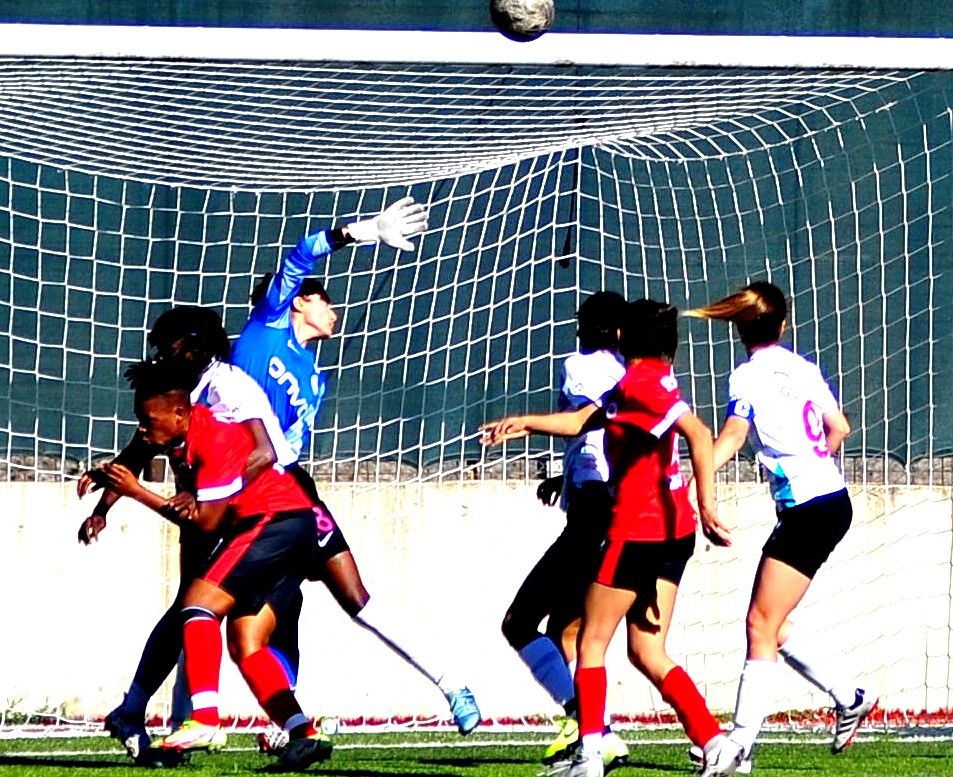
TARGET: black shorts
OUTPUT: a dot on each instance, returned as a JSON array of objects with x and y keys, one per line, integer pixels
[
  {"x": 195, "y": 549},
  {"x": 261, "y": 556},
  {"x": 638, "y": 566},
  {"x": 805, "y": 534},
  {"x": 624, "y": 564},
  {"x": 284, "y": 597},
  {"x": 556, "y": 586},
  {"x": 331, "y": 539}
]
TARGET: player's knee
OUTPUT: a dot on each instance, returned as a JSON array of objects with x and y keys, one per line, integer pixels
[
  {"x": 761, "y": 630},
  {"x": 653, "y": 664},
  {"x": 516, "y": 632}
]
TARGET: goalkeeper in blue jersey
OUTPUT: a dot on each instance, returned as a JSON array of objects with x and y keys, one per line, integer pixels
[{"x": 291, "y": 310}]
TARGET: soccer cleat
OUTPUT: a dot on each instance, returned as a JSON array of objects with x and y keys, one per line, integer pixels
[
  {"x": 301, "y": 753},
  {"x": 848, "y": 720},
  {"x": 157, "y": 758},
  {"x": 722, "y": 757},
  {"x": 273, "y": 741},
  {"x": 464, "y": 708},
  {"x": 131, "y": 733},
  {"x": 585, "y": 764},
  {"x": 194, "y": 736},
  {"x": 697, "y": 756},
  {"x": 567, "y": 737},
  {"x": 615, "y": 752}
]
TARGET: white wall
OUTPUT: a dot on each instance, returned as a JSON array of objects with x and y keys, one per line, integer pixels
[{"x": 449, "y": 559}]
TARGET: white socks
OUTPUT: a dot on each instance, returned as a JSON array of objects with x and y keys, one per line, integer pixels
[
  {"x": 392, "y": 630},
  {"x": 798, "y": 655},
  {"x": 757, "y": 692}
]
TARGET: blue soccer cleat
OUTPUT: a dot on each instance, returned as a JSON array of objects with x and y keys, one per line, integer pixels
[{"x": 464, "y": 708}]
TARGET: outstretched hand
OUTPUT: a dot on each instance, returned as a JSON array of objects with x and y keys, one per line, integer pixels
[
  {"x": 497, "y": 432},
  {"x": 394, "y": 226}
]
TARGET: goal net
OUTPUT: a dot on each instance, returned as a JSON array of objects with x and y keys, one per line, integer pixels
[{"x": 130, "y": 185}]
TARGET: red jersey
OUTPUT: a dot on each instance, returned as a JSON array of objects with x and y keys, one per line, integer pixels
[
  {"x": 214, "y": 456},
  {"x": 651, "y": 496}
]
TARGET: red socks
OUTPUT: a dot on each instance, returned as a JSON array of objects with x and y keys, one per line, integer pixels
[
  {"x": 680, "y": 692},
  {"x": 591, "y": 695},
  {"x": 268, "y": 680},
  {"x": 202, "y": 640}
]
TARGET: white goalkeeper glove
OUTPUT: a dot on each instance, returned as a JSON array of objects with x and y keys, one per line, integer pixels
[{"x": 395, "y": 226}]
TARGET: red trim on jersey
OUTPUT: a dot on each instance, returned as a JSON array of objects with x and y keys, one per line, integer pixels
[
  {"x": 610, "y": 563},
  {"x": 651, "y": 496},
  {"x": 234, "y": 552}
]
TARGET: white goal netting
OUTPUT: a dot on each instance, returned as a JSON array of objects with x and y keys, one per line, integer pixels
[{"x": 127, "y": 186}]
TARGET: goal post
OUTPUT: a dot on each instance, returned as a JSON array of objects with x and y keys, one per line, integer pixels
[{"x": 131, "y": 181}]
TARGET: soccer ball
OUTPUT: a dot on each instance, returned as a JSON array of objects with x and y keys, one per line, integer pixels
[{"x": 523, "y": 20}]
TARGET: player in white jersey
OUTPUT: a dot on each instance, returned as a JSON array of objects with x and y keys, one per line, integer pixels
[
  {"x": 556, "y": 586},
  {"x": 782, "y": 404}
]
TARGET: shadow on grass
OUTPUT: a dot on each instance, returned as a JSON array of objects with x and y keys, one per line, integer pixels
[
  {"x": 62, "y": 762},
  {"x": 477, "y": 762},
  {"x": 359, "y": 772},
  {"x": 469, "y": 763}
]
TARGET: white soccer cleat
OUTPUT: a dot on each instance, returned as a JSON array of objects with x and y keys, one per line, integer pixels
[
  {"x": 722, "y": 757},
  {"x": 577, "y": 763},
  {"x": 848, "y": 720},
  {"x": 615, "y": 752},
  {"x": 697, "y": 757},
  {"x": 273, "y": 741}
]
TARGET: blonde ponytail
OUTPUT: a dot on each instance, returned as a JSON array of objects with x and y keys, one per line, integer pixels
[{"x": 758, "y": 310}]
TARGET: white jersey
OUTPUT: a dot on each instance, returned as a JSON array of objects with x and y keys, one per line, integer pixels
[
  {"x": 586, "y": 377},
  {"x": 233, "y": 395},
  {"x": 784, "y": 397}
]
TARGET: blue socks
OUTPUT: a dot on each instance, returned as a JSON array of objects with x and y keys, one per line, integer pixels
[{"x": 549, "y": 668}]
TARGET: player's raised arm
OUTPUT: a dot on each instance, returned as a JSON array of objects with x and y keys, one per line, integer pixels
[
  {"x": 394, "y": 226},
  {"x": 567, "y": 423}
]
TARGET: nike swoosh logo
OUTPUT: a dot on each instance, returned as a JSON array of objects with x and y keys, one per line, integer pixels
[{"x": 325, "y": 539}]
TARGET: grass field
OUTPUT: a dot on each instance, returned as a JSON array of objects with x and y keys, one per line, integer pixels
[{"x": 487, "y": 755}]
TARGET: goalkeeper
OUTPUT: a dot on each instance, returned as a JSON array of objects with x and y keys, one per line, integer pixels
[{"x": 291, "y": 310}]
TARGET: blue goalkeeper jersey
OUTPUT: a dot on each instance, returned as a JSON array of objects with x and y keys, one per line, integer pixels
[{"x": 268, "y": 350}]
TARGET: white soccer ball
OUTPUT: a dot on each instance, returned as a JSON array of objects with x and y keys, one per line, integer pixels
[
  {"x": 523, "y": 20},
  {"x": 329, "y": 726}
]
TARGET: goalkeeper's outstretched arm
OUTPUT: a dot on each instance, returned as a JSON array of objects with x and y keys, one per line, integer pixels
[{"x": 394, "y": 226}]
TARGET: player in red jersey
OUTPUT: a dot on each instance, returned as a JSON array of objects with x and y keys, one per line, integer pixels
[
  {"x": 651, "y": 534},
  {"x": 193, "y": 340},
  {"x": 269, "y": 532}
]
